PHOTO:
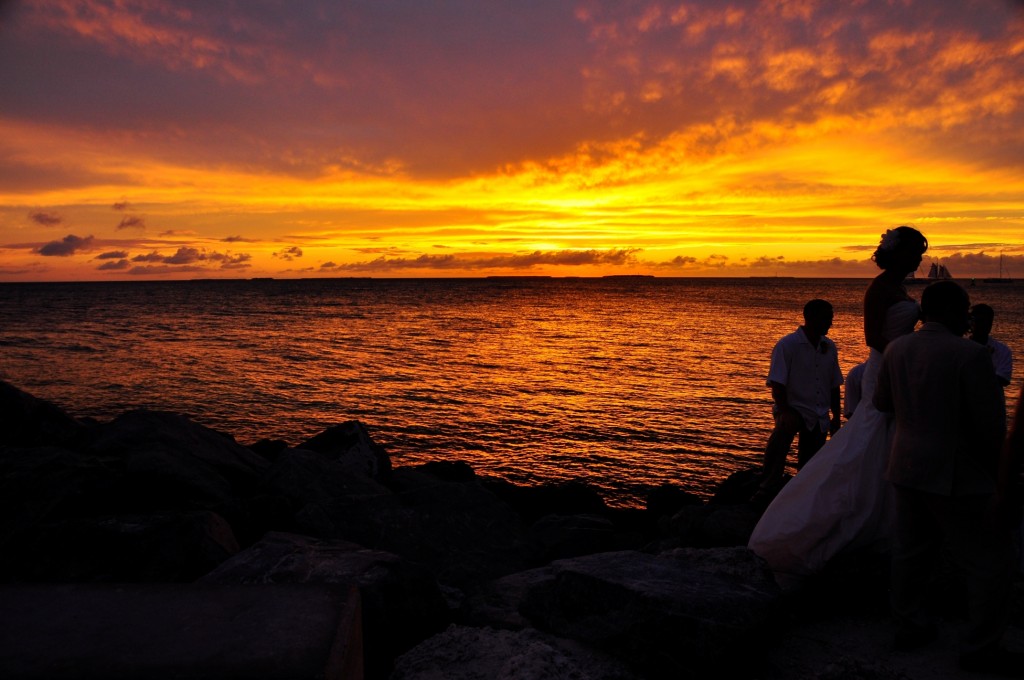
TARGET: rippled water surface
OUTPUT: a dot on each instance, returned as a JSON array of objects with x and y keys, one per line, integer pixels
[{"x": 627, "y": 383}]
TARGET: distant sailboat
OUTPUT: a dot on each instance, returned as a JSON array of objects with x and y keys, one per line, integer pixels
[
  {"x": 1000, "y": 279},
  {"x": 938, "y": 272}
]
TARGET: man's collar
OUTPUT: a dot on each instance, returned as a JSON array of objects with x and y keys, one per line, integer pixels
[
  {"x": 804, "y": 338},
  {"x": 935, "y": 326}
]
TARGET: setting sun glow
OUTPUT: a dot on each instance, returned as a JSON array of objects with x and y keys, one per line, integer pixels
[{"x": 591, "y": 138}]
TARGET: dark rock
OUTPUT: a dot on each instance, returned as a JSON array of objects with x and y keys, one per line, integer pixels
[
  {"x": 178, "y": 631},
  {"x": 119, "y": 549},
  {"x": 39, "y": 484},
  {"x": 559, "y": 536},
  {"x": 401, "y": 602},
  {"x": 497, "y": 603},
  {"x": 269, "y": 448},
  {"x": 462, "y": 653},
  {"x": 458, "y": 529},
  {"x": 449, "y": 470},
  {"x": 681, "y": 614},
  {"x": 710, "y": 526},
  {"x": 351, "y": 445},
  {"x": 168, "y": 462},
  {"x": 26, "y": 420},
  {"x": 366, "y": 520},
  {"x": 737, "y": 488},
  {"x": 301, "y": 477},
  {"x": 668, "y": 499},
  {"x": 561, "y": 498}
]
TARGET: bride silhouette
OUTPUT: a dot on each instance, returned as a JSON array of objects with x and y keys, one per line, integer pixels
[{"x": 839, "y": 500}]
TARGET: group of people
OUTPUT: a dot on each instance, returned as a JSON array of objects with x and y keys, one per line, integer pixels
[{"x": 923, "y": 461}]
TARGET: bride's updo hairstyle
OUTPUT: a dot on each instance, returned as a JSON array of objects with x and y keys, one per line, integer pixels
[{"x": 897, "y": 243}]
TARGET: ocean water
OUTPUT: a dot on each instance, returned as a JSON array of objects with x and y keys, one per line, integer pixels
[{"x": 625, "y": 383}]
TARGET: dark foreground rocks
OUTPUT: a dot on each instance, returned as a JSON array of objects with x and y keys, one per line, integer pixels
[{"x": 457, "y": 575}]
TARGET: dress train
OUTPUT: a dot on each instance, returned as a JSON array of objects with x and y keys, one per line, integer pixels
[{"x": 839, "y": 501}]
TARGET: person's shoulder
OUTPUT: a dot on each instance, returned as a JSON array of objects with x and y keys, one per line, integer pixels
[
  {"x": 790, "y": 338},
  {"x": 970, "y": 348},
  {"x": 901, "y": 343},
  {"x": 998, "y": 345}
]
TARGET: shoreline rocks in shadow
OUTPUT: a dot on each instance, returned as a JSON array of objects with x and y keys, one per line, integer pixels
[{"x": 455, "y": 571}]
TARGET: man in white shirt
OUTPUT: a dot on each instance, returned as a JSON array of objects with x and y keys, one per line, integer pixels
[{"x": 805, "y": 379}]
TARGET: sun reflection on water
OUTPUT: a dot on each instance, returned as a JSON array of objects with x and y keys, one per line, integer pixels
[{"x": 626, "y": 384}]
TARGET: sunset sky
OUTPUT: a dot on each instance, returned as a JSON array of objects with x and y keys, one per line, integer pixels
[{"x": 151, "y": 139}]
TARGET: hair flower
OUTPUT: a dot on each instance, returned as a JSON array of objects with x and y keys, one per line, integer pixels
[{"x": 890, "y": 240}]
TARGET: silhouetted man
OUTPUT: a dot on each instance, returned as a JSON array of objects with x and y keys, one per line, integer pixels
[
  {"x": 944, "y": 465},
  {"x": 982, "y": 317},
  {"x": 805, "y": 379}
]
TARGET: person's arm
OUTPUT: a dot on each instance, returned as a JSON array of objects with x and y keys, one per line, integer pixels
[
  {"x": 877, "y": 300},
  {"x": 1003, "y": 361},
  {"x": 785, "y": 413}
]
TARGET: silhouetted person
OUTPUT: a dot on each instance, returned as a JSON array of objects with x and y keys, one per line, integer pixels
[
  {"x": 944, "y": 464},
  {"x": 852, "y": 392},
  {"x": 982, "y": 317},
  {"x": 805, "y": 379},
  {"x": 840, "y": 502}
]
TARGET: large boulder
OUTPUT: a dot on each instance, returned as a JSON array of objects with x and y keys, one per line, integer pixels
[
  {"x": 351, "y": 445},
  {"x": 683, "y": 613},
  {"x": 572, "y": 497},
  {"x": 499, "y": 603},
  {"x": 26, "y": 420},
  {"x": 44, "y": 483},
  {"x": 461, "y": 531},
  {"x": 556, "y": 537},
  {"x": 167, "y": 462},
  {"x": 738, "y": 488},
  {"x": 301, "y": 477},
  {"x": 463, "y": 653},
  {"x": 712, "y": 525},
  {"x": 668, "y": 499},
  {"x": 401, "y": 602},
  {"x": 162, "y": 548}
]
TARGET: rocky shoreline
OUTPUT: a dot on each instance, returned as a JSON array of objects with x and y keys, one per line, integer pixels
[{"x": 460, "y": 576}]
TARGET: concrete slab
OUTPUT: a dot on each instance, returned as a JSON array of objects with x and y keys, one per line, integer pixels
[{"x": 158, "y": 631}]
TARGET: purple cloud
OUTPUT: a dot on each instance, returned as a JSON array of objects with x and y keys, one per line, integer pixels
[
  {"x": 229, "y": 261},
  {"x": 289, "y": 253},
  {"x": 185, "y": 256},
  {"x": 69, "y": 245},
  {"x": 132, "y": 222},
  {"x": 114, "y": 266},
  {"x": 45, "y": 219}
]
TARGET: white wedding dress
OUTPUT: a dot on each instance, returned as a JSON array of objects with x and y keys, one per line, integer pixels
[{"x": 839, "y": 501}]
